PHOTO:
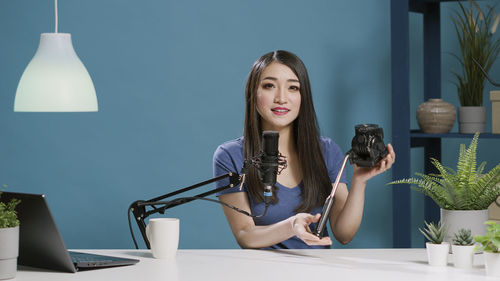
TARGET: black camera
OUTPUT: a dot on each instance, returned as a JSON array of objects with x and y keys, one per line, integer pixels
[{"x": 368, "y": 146}]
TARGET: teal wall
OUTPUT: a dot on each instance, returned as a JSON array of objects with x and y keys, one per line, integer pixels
[{"x": 170, "y": 78}]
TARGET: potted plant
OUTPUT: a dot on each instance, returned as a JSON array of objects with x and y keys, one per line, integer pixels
[
  {"x": 463, "y": 195},
  {"x": 475, "y": 30},
  {"x": 9, "y": 239},
  {"x": 463, "y": 248},
  {"x": 490, "y": 244},
  {"x": 437, "y": 250}
]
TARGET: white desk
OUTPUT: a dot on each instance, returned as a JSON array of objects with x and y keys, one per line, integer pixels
[{"x": 260, "y": 265}]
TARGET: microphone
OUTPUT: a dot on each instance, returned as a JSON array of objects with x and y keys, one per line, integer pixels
[{"x": 268, "y": 169}]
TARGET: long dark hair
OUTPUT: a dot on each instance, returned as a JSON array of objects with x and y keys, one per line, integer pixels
[{"x": 316, "y": 182}]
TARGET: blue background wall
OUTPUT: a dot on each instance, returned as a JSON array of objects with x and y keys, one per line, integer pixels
[{"x": 170, "y": 78}]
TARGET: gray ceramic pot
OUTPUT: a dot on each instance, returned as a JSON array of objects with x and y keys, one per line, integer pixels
[{"x": 471, "y": 119}]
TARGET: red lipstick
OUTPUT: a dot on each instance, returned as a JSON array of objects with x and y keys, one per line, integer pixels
[{"x": 280, "y": 110}]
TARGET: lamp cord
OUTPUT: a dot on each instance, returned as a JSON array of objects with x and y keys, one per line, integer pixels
[{"x": 55, "y": 7}]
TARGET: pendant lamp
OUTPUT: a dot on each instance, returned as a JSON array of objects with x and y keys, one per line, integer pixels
[{"x": 55, "y": 80}]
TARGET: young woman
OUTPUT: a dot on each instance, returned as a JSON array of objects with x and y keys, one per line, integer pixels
[{"x": 278, "y": 98}]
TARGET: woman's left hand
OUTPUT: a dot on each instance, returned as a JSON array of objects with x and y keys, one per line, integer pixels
[{"x": 364, "y": 174}]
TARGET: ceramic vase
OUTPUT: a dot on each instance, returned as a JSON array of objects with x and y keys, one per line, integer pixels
[
  {"x": 9, "y": 250},
  {"x": 436, "y": 116},
  {"x": 463, "y": 256},
  {"x": 437, "y": 254},
  {"x": 492, "y": 264},
  {"x": 454, "y": 220},
  {"x": 471, "y": 119}
]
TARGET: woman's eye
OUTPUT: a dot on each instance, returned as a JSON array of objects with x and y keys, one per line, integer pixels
[
  {"x": 294, "y": 88},
  {"x": 268, "y": 86}
]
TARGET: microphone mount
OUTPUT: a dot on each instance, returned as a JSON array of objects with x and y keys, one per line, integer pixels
[
  {"x": 257, "y": 163},
  {"x": 138, "y": 207}
]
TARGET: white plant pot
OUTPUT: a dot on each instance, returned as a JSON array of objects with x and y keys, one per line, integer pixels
[
  {"x": 454, "y": 220},
  {"x": 9, "y": 250},
  {"x": 471, "y": 119},
  {"x": 437, "y": 254},
  {"x": 463, "y": 256},
  {"x": 492, "y": 263}
]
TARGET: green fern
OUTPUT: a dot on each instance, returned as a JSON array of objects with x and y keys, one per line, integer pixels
[{"x": 467, "y": 188}]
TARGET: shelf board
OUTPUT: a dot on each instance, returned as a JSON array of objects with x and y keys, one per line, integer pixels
[{"x": 417, "y": 134}]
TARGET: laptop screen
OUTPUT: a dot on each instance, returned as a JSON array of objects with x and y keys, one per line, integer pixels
[{"x": 40, "y": 243}]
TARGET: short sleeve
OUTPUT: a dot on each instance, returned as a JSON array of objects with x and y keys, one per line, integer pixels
[
  {"x": 333, "y": 158},
  {"x": 228, "y": 158}
]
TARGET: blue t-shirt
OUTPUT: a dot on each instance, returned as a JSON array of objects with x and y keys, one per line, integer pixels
[{"x": 229, "y": 158}]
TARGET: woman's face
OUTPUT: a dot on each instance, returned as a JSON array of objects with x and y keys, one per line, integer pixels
[{"x": 278, "y": 97}]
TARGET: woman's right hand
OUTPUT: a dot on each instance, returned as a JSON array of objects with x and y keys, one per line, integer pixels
[{"x": 300, "y": 228}]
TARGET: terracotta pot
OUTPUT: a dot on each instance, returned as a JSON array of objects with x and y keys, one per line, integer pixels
[{"x": 436, "y": 116}]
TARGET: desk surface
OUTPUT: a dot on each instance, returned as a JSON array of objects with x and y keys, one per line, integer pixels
[{"x": 261, "y": 265}]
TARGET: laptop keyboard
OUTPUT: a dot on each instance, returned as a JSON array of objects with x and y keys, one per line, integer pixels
[{"x": 83, "y": 257}]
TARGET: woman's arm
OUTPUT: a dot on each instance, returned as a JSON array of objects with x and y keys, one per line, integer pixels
[
  {"x": 347, "y": 211},
  {"x": 248, "y": 235}
]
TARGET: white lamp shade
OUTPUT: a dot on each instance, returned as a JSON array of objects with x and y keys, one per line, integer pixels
[{"x": 55, "y": 80}]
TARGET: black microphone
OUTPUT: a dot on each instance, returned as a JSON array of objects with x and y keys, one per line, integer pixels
[{"x": 269, "y": 163}]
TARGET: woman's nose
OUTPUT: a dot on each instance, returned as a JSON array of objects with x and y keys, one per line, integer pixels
[{"x": 280, "y": 96}]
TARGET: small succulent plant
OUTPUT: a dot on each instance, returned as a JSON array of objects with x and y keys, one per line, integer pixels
[
  {"x": 463, "y": 238},
  {"x": 434, "y": 233}
]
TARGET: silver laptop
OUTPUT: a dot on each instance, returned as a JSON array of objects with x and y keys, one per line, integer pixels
[{"x": 41, "y": 244}]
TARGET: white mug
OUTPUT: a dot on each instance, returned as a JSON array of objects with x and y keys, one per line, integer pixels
[{"x": 163, "y": 236}]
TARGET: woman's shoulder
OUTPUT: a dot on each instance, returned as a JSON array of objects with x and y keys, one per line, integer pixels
[
  {"x": 330, "y": 148},
  {"x": 228, "y": 157},
  {"x": 328, "y": 143},
  {"x": 232, "y": 147}
]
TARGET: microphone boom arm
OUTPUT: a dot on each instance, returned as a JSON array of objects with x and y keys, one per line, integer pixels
[{"x": 138, "y": 207}]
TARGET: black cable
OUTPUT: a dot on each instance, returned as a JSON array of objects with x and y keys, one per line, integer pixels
[
  {"x": 177, "y": 200},
  {"x": 188, "y": 198},
  {"x": 485, "y": 73},
  {"x": 130, "y": 227}
]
